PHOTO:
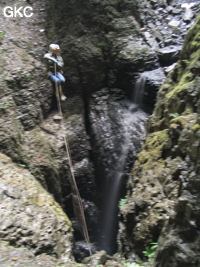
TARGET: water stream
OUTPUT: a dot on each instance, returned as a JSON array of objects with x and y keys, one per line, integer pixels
[
  {"x": 117, "y": 128},
  {"x": 138, "y": 92},
  {"x": 131, "y": 121},
  {"x": 133, "y": 131}
]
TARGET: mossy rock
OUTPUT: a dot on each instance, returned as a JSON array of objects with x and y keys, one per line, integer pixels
[
  {"x": 30, "y": 217},
  {"x": 152, "y": 149}
]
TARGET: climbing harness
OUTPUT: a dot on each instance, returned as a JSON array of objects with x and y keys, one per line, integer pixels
[{"x": 76, "y": 198}]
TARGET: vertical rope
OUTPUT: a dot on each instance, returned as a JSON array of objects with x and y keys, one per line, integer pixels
[{"x": 76, "y": 198}]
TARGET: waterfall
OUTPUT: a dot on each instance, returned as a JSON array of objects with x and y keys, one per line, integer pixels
[
  {"x": 138, "y": 92},
  {"x": 109, "y": 216},
  {"x": 117, "y": 128},
  {"x": 132, "y": 130},
  {"x": 112, "y": 195}
]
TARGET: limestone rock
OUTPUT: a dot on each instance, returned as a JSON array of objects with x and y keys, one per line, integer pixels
[
  {"x": 30, "y": 217},
  {"x": 174, "y": 23},
  {"x": 103, "y": 47},
  {"x": 96, "y": 259},
  {"x": 153, "y": 79},
  {"x": 23, "y": 257},
  {"x": 188, "y": 12},
  {"x": 169, "y": 55},
  {"x": 163, "y": 191}
]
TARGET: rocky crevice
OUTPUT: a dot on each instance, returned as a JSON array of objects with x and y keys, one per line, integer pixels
[{"x": 109, "y": 48}]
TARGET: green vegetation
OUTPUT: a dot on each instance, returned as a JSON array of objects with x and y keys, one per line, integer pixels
[
  {"x": 122, "y": 202},
  {"x": 196, "y": 127},
  {"x": 22, "y": 166},
  {"x": 133, "y": 264},
  {"x": 4, "y": 104},
  {"x": 185, "y": 61},
  {"x": 173, "y": 115},
  {"x": 183, "y": 121},
  {"x": 152, "y": 149},
  {"x": 101, "y": 44},
  {"x": 1, "y": 36},
  {"x": 150, "y": 251}
]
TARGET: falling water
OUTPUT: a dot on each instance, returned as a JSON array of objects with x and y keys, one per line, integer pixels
[
  {"x": 117, "y": 128},
  {"x": 109, "y": 216},
  {"x": 132, "y": 128},
  {"x": 138, "y": 92}
]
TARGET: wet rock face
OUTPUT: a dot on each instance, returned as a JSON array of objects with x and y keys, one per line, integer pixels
[
  {"x": 80, "y": 149},
  {"x": 146, "y": 88},
  {"x": 117, "y": 127},
  {"x": 84, "y": 173},
  {"x": 169, "y": 55},
  {"x": 162, "y": 203},
  {"x": 110, "y": 127}
]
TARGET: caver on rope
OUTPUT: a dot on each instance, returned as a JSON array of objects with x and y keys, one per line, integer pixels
[{"x": 55, "y": 65}]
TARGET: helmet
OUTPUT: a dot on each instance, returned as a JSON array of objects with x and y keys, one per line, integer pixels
[{"x": 54, "y": 47}]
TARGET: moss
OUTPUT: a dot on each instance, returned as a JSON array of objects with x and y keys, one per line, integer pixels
[
  {"x": 196, "y": 127},
  {"x": 192, "y": 40},
  {"x": 153, "y": 148},
  {"x": 179, "y": 94},
  {"x": 184, "y": 84},
  {"x": 184, "y": 121},
  {"x": 101, "y": 44},
  {"x": 183, "y": 73},
  {"x": 166, "y": 153},
  {"x": 187, "y": 111},
  {"x": 156, "y": 139}
]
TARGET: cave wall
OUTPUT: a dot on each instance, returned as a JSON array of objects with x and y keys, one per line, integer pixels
[
  {"x": 30, "y": 217},
  {"x": 108, "y": 43},
  {"x": 115, "y": 43},
  {"x": 104, "y": 43},
  {"x": 96, "y": 39},
  {"x": 33, "y": 139},
  {"x": 162, "y": 203}
]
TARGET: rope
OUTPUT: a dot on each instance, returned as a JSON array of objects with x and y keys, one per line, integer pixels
[{"x": 76, "y": 198}]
